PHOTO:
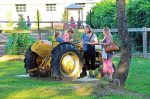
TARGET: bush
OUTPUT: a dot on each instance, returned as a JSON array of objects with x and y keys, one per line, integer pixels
[
  {"x": 51, "y": 38},
  {"x": 138, "y": 14},
  {"x": 18, "y": 42},
  {"x": 103, "y": 14}
]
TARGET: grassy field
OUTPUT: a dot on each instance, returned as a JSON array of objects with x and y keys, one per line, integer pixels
[{"x": 12, "y": 86}]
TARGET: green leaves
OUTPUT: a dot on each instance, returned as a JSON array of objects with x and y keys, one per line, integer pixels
[
  {"x": 103, "y": 14},
  {"x": 138, "y": 13},
  {"x": 19, "y": 42},
  {"x": 138, "y": 16}
]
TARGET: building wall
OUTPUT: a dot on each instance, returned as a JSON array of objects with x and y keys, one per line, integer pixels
[{"x": 7, "y": 6}]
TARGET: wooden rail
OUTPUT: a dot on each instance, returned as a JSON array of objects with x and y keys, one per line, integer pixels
[{"x": 143, "y": 30}]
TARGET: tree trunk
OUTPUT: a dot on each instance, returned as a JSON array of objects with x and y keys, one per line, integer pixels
[{"x": 122, "y": 70}]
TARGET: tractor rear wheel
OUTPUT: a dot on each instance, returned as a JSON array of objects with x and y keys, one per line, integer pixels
[
  {"x": 66, "y": 62},
  {"x": 30, "y": 62}
]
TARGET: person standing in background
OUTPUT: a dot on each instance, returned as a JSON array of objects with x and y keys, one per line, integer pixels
[
  {"x": 28, "y": 22},
  {"x": 79, "y": 23},
  {"x": 72, "y": 23}
]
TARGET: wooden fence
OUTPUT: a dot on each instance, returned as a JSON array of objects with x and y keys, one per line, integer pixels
[{"x": 143, "y": 30}]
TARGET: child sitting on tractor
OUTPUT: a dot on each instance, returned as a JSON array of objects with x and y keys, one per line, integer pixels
[{"x": 57, "y": 37}]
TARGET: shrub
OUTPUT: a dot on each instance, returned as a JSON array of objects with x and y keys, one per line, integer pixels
[
  {"x": 103, "y": 14},
  {"x": 18, "y": 42},
  {"x": 138, "y": 14}
]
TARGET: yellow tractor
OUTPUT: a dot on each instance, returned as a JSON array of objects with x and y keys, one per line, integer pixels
[{"x": 59, "y": 60}]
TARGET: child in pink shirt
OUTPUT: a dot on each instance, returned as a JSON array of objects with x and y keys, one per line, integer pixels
[{"x": 67, "y": 37}]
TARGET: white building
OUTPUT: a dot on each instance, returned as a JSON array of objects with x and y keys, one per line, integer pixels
[{"x": 50, "y": 10}]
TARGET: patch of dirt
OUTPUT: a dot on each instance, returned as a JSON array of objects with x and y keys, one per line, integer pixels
[
  {"x": 83, "y": 89},
  {"x": 105, "y": 88}
]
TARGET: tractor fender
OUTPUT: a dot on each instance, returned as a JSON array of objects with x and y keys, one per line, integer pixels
[{"x": 42, "y": 48}]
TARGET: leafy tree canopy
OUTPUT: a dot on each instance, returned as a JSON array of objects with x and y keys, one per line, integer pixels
[
  {"x": 104, "y": 14},
  {"x": 138, "y": 13}
]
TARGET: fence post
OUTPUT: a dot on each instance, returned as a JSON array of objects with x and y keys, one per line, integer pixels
[
  {"x": 51, "y": 24},
  {"x": 38, "y": 21},
  {"x": 145, "y": 43}
]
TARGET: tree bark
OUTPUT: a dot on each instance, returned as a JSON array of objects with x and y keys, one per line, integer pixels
[{"x": 122, "y": 70}]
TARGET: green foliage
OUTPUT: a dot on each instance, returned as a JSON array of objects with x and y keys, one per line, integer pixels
[
  {"x": 21, "y": 25},
  {"x": 77, "y": 36},
  {"x": 19, "y": 42},
  {"x": 103, "y": 14},
  {"x": 138, "y": 13},
  {"x": 100, "y": 36},
  {"x": 116, "y": 38},
  {"x": 51, "y": 38}
]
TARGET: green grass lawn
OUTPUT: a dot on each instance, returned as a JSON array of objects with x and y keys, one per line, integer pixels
[{"x": 12, "y": 86}]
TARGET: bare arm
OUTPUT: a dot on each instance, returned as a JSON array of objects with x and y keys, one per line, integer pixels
[{"x": 94, "y": 42}]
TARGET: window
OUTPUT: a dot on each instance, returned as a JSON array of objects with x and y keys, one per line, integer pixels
[
  {"x": 21, "y": 7},
  {"x": 50, "y": 7},
  {"x": 81, "y": 4}
]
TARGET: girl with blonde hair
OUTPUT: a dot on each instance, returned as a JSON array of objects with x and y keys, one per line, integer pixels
[{"x": 57, "y": 37}]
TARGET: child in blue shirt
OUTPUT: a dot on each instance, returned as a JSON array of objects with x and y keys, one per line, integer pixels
[{"x": 57, "y": 37}]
